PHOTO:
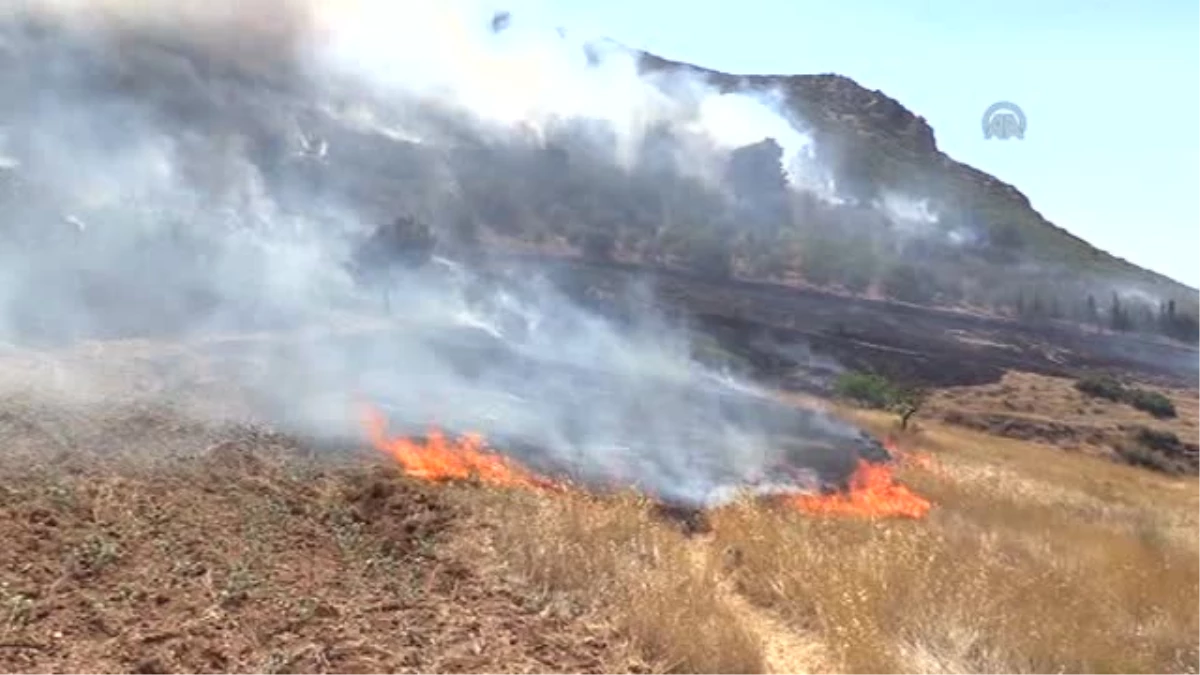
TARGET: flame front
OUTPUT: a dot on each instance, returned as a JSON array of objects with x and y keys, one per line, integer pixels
[
  {"x": 873, "y": 492},
  {"x": 442, "y": 458}
]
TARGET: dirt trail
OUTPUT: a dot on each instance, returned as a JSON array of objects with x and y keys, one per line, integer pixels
[{"x": 784, "y": 649}]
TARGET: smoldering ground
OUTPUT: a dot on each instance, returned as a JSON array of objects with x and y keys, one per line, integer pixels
[{"x": 195, "y": 171}]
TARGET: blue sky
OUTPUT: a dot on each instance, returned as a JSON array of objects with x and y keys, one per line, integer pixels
[{"x": 1112, "y": 151}]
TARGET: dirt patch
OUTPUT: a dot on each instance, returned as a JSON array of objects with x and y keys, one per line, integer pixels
[
  {"x": 248, "y": 552},
  {"x": 785, "y": 650}
]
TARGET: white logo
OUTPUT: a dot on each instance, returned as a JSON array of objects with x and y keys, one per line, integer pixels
[{"x": 1004, "y": 120}]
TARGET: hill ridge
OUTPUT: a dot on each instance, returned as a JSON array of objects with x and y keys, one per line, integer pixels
[{"x": 836, "y": 107}]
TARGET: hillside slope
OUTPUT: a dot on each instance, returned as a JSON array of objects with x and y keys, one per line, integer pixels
[
  {"x": 886, "y": 215},
  {"x": 858, "y": 125}
]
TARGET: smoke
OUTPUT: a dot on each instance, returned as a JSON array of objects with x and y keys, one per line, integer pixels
[
  {"x": 192, "y": 171},
  {"x": 907, "y": 213}
]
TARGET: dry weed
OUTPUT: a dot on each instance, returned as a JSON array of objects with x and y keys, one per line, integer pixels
[
  {"x": 993, "y": 580},
  {"x": 610, "y": 557}
]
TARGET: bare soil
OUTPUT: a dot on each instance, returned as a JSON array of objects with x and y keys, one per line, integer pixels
[{"x": 183, "y": 548}]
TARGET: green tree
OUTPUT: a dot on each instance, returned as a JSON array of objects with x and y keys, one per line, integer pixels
[
  {"x": 1118, "y": 317},
  {"x": 907, "y": 402}
]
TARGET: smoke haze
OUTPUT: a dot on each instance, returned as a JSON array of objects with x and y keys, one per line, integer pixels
[{"x": 196, "y": 170}]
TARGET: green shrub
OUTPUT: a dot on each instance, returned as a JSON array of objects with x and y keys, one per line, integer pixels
[
  {"x": 866, "y": 389},
  {"x": 1158, "y": 450},
  {"x": 1151, "y": 402},
  {"x": 1102, "y": 386},
  {"x": 1147, "y": 458},
  {"x": 1165, "y": 441},
  {"x": 1108, "y": 387}
]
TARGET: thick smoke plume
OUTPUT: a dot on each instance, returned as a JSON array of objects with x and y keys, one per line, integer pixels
[{"x": 204, "y": 171}]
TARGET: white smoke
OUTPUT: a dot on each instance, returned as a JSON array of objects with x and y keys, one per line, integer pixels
[
  {"x": 141, "y": 120},
  {"x": 905, "y": 211}
]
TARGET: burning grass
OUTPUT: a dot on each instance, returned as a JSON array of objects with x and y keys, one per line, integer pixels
[
  {"x": 992, "y": 581},
  {"x": 236, "y": 551},
  {"x": 438, "y": 457},
  {"x": 1031, "y": 560},
  {"x": 1009, "y": 573},
  {"x": 873, "y": 492}
]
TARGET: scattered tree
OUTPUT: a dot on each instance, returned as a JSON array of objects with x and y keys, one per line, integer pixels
[
  {"x": 1091, "y": 313},
  {"x": 907, "y": 402},
  {"x": 872, "y": 390},
  {"x": 869, "y": 390}
]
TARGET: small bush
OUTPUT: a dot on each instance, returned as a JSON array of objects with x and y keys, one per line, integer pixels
[
  {"x": 1102, "y": 386},
  {"x": 1155, "y": 449},
  {"x": 867, "y": 389},
  {"x": 1151, "y": 402},
  {"x": 1165, "y": 441},
  {"x": 1108, "y": 387},
  {"x": 1146, "y": 458}
]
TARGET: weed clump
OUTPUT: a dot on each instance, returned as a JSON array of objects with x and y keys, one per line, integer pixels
[
  {"x": 1110, "y": 388},
  {"x": 1151, "y": 402}
]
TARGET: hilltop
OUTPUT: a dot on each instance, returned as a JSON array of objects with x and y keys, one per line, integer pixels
[{"x": 873, "y": 138}]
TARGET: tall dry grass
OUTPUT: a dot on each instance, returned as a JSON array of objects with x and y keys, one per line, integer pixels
[
  {"x": 613, "y": 561},
  {"x": 1009, "y": 573},
  {"x": 1033, "y": 560}
]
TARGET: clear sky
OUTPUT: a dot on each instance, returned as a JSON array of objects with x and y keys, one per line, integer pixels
[{"x": 1111, "y": 89}]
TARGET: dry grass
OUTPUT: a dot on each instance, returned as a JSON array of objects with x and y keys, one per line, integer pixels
[
  {"x": 610, "y": 560},
  {"x": 1033, "y": 560},
  {"x": 1017, "y": 572},
  {"x": 1050, "y": 409},
  {"x": 134, "y": 541}
]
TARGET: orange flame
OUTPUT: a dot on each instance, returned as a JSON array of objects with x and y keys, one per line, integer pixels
[
  {"x": 920, "y": 460},
  {"x": 873, "y": 492},
  {"x": 442, "y": 458},
  {"x": 912, "y": 458}
]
